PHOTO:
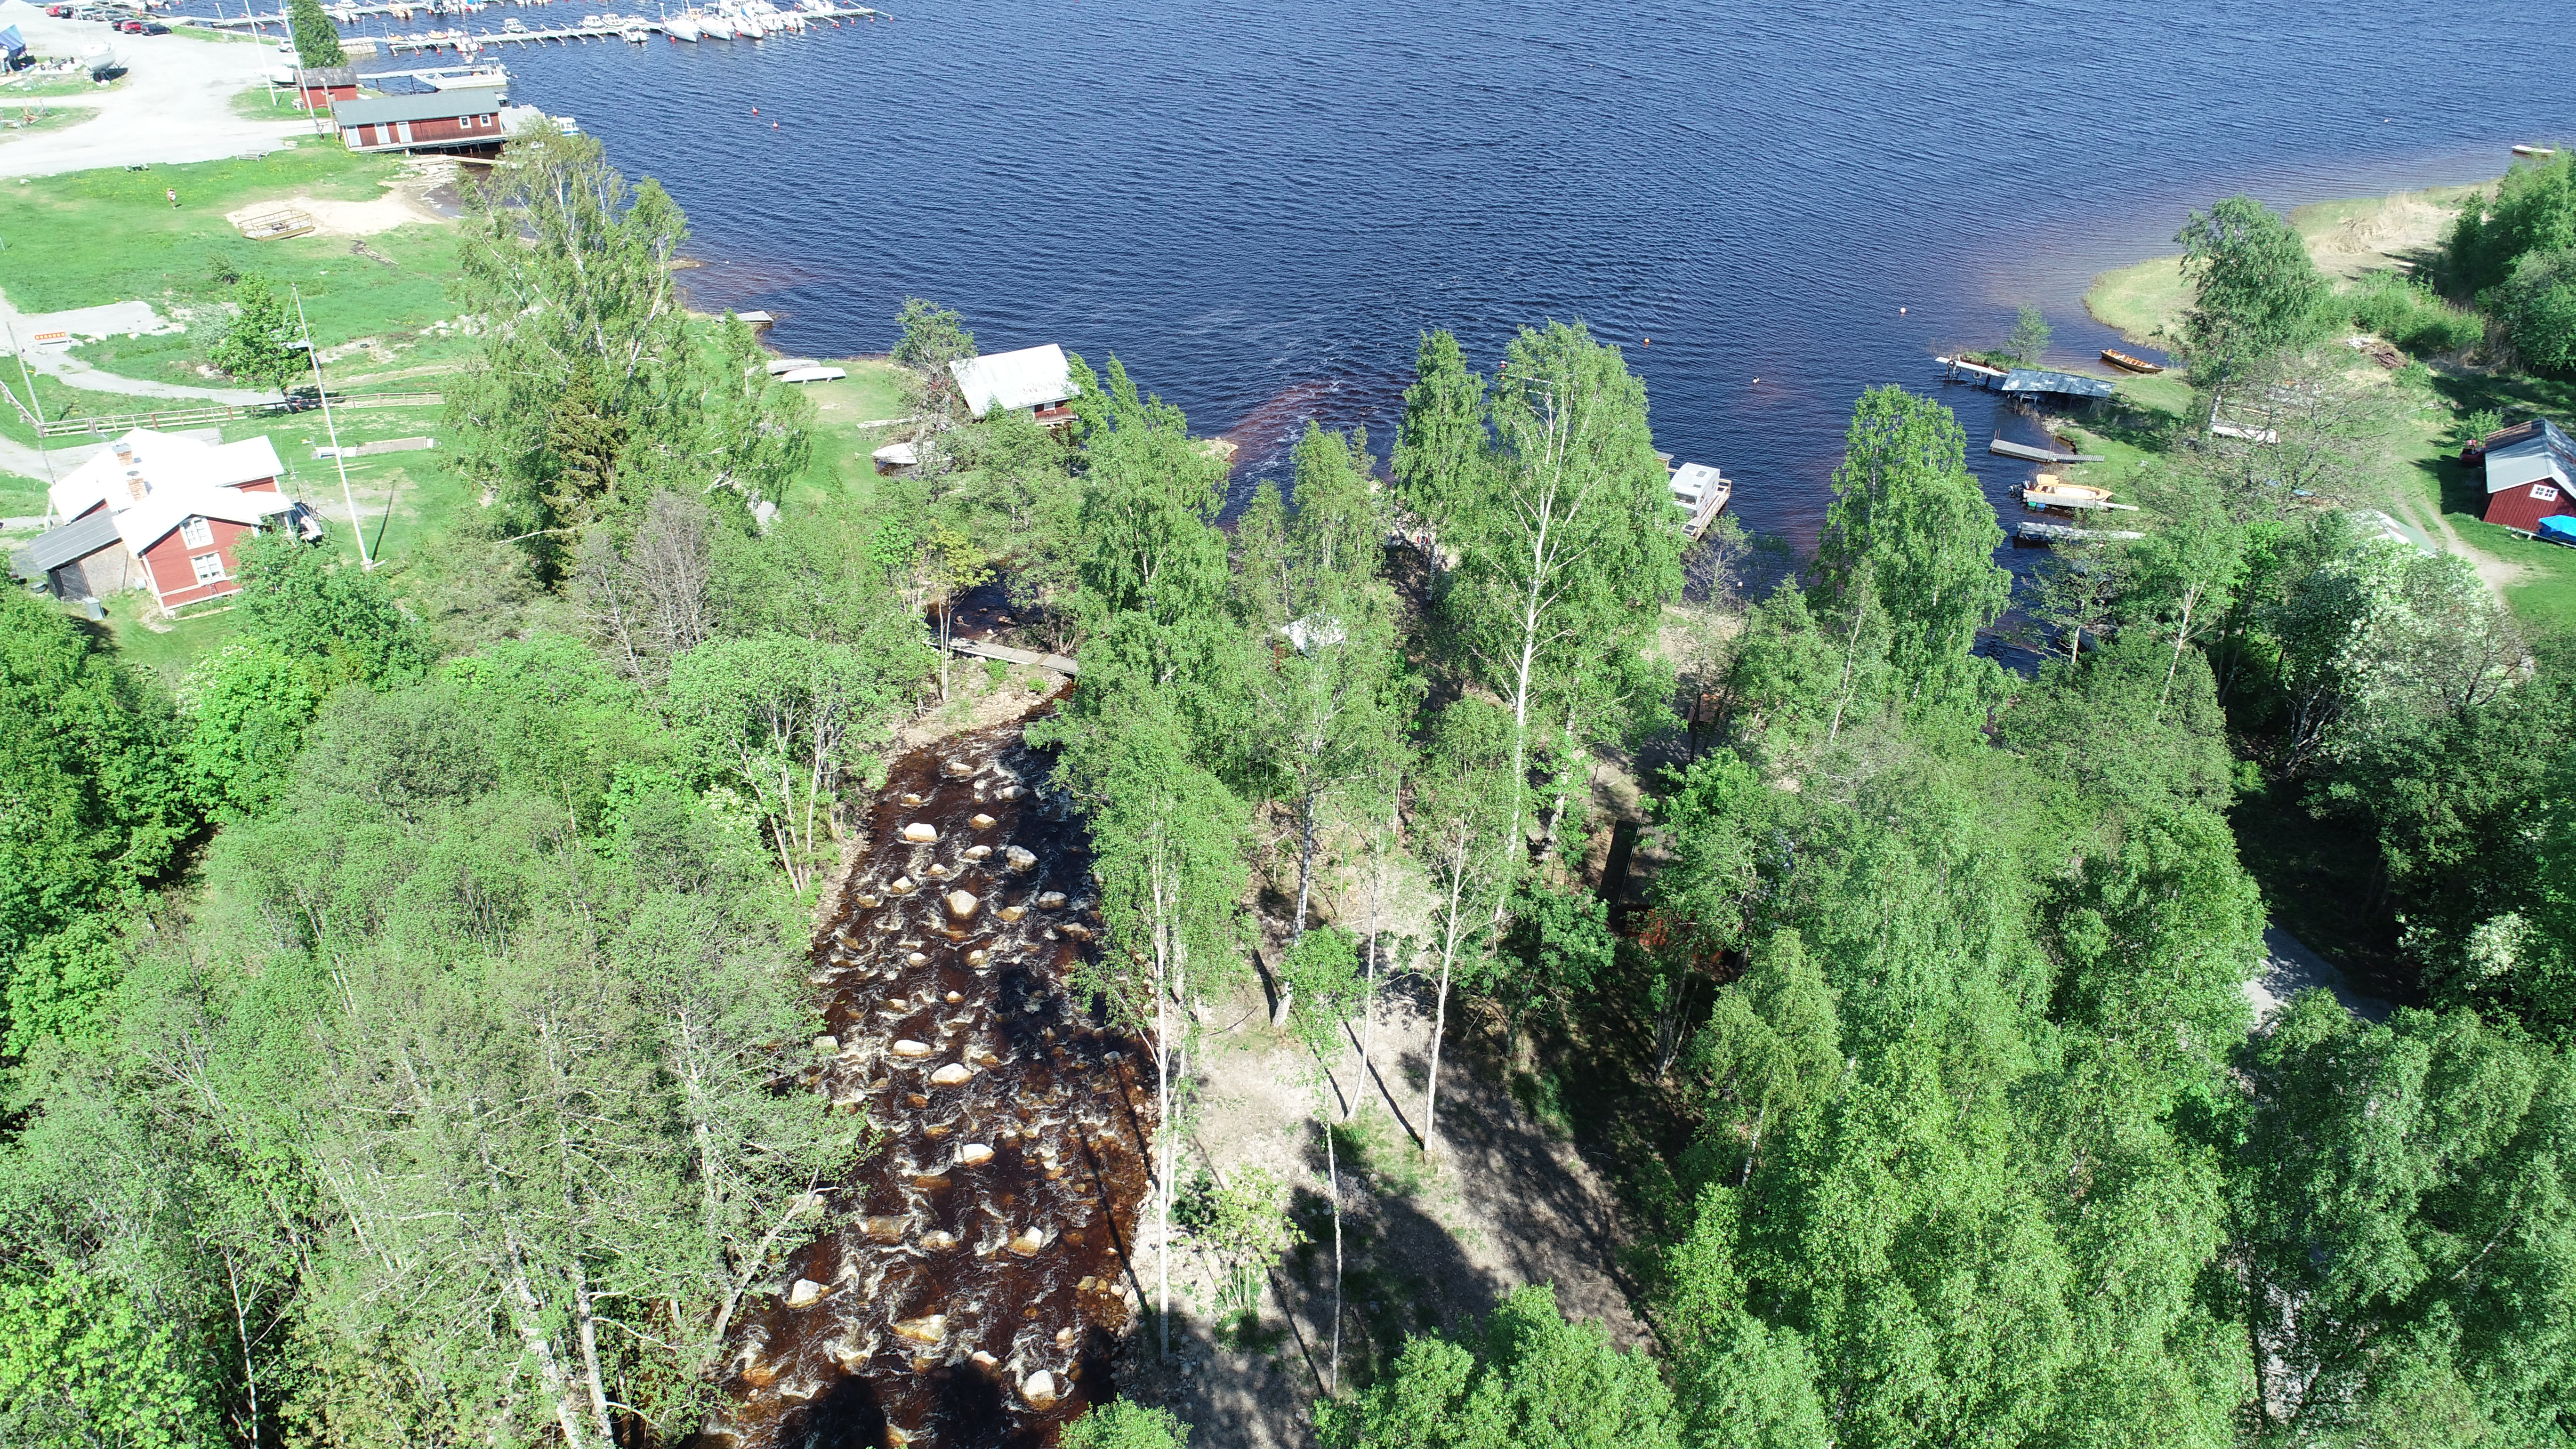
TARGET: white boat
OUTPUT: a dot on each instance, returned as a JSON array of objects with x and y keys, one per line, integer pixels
[
  {"x": 717, "y": 27},
  {"x": 467, "y": 78},
  {"x": 638, "y": 33},
  {"x": 681, "y": 27},
  {"x": 814, "y": 374},
  {"x": 750, "y": 26}
]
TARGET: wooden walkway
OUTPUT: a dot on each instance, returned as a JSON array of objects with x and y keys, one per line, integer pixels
[{"x": 981, "y": 649}]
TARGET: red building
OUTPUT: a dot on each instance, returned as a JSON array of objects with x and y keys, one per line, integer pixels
[
  {"x": 440, "y": 121},
  {"x": 163, "y": 512},
  {"x": 318, "y": 86},
  {"x": 2531, "y": 474}
]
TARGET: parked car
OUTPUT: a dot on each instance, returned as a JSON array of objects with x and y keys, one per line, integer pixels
[{"x": 155, "y": 27}]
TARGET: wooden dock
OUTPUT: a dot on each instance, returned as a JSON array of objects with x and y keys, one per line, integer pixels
[
  {"x": 2024, "y": 451},
  {"x": 2031, "y": 530}
]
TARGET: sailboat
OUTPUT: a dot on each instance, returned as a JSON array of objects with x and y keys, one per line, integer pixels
[
  {"x": 683, "y": 26},
  {"x": 717, "y": 25}
]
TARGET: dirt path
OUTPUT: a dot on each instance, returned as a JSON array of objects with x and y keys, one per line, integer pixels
[{"x": 1509, "y": 1203}]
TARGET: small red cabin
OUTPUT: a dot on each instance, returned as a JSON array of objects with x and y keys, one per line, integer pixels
[
  {"x": 2531, "y": 474},
  {"x": 316, "y": 87}
]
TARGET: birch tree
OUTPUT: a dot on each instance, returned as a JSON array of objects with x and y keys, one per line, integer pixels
[
  {"x": 1464, "y": 823},
  {"x": 1569, "y": 542},
  {"x": 1168, "y": 841}
]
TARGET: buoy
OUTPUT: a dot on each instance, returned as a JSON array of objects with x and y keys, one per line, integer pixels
[
  {"x": 1646, "y": 342},
  {"x": 755, "y": 110},
  {"x": 773, "y": 125},
  {"x": 1900, "y": 311}
]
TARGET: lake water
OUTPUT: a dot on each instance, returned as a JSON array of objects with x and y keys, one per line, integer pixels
[{"x": 1258, "y": 205}]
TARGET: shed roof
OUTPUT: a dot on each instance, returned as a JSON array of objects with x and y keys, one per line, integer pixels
[
  {"x": 56, "y": 547},
  {"x": 435, "y": 106},
  {"x": 314, "y": 77},
  {"x": 2533, "y": 452},
  {"x": 2072, "y": 384},
  {"x": 1029, "y": 378}
]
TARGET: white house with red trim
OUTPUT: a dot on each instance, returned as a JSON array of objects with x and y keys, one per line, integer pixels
[{"x": 164, "y": 512}]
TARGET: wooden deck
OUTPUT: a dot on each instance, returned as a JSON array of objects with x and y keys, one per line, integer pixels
[{"x": 982, "y": 649}]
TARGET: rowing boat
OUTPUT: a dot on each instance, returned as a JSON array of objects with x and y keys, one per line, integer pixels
[{"x": 2117, "y": 358}]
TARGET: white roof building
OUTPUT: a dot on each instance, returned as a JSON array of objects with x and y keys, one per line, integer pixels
[
  {"x": 1035, "y": 378},
  {"x": 145, "y": 464}
]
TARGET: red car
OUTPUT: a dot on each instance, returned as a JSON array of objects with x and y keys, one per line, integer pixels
[
  {"x": 59, "y": 12},
  {"x": 131, "y": 27}
]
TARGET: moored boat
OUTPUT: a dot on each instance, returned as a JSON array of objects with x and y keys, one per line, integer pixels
[
  {"x": 681, "y": 27},
  {"x": 2119, "y": 359}
]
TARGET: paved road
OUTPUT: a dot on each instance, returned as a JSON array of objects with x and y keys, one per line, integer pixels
[{"x": 176, "y": 106}]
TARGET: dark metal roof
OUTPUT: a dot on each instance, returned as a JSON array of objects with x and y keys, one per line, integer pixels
[
  {"x": 2530, "y": 437},
  {"x": 77, "y": 539},
  {"x": 436, "y": 106},
  {"x": 316, "y": 76},
  {"x": 2073, "y": 384}
]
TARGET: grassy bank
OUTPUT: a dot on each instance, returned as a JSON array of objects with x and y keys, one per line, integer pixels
[{"x": 2144, "y": 300}]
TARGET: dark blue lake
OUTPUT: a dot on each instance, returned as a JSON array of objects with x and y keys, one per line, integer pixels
[{"x": 1258, "y": 205}]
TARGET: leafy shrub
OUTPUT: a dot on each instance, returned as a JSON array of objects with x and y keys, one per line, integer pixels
[
  {"x": 2538, "y": 306},
  {"x": 2407, "y": 313}
]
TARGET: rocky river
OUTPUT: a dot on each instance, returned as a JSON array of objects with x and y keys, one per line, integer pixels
[{"x": 977, "y": 1283}]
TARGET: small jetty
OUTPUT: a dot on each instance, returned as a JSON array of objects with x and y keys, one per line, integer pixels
[
  {"x": 2025, "y": 381},
  {"x": 1029, "y": 659},
  {"x": 2031, "y": 530},
  {"x": 2004, "y": 448},
  {"x": 754, "y": 25},
  {"x": 1701, "y": 492}
]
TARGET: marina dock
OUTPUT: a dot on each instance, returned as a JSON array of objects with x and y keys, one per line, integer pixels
[{"x": 605, "y": 27}]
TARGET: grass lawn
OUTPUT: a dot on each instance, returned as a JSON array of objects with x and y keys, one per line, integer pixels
[
  {"x": 176, "y": 258},
  {"x": 843, "y": 470}
]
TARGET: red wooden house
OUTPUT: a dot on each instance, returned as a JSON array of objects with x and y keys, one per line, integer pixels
[
  {"x": 163, "y": 512},
  {"x": 316, "y": 87},
  {"x": 440, "y": 121},
  {"x": 2531, "y": 474}
]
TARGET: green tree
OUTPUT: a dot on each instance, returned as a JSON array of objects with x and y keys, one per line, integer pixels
[
  {"x": 930, "y": 337},
  {"x": 1168, "y": 841},
  {"x": 1125, "y": 1424},
  {"x": 262, "y": 342},
  {"x": 2534, "y": 210},
  {"x": 1320, "y": 975},
  {"x": 2537, "y": 304},
  {"x": 1568, "y": 543},
  {"x": 1440, "y": 446},
  {"x": 1908, "y": 519},
  {"x": 1463, "y": 836},
  {"x": 2401, "y": 1202},
  {"x": 317, "y": 37},
  {"x": 82, "y": 1363},
  {"x": 2255, "y": 293},
  {"x": 2029, "y": 339},
  {"x": 787, "y": 721},
  {"x": 1530, "y": 1379},
  {"x": 574, "y": 270},
  {"x": 93, "y": 805}
]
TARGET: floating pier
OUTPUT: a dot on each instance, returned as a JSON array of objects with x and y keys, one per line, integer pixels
[{"x": 2024, "y": 451}]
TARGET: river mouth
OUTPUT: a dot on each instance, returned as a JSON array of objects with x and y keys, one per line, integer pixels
[{"x": 977, "y": 1283}]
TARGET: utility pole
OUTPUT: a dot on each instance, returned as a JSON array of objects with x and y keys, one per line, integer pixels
[
  {"x": 313, "y": 355},
  {"x": 35, "y": 409}
]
